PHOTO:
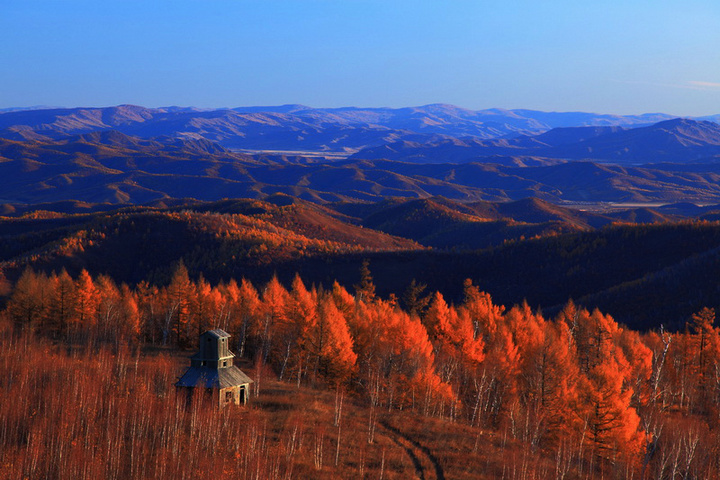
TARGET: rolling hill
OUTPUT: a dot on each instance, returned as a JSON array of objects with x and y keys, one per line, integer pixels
[
  {"x": 111, "y": 167},
  {"x": 442, "y": 223},
  {"x": 643, "y": 275},
  {"x": 675, "y": 141},
  {"x": 222, "y": 238}
]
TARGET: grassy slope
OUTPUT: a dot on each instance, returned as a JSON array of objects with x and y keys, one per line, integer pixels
[{"x": 119, "y": 418}]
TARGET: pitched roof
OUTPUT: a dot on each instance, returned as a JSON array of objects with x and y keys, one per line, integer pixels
[
  {"x": 217, "y": 333},
  {"x": 213, "y": 378}
]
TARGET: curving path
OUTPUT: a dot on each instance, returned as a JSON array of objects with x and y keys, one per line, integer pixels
[{"x": 418, "y": 453}]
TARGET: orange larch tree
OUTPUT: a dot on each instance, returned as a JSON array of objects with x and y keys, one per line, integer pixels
[
  {"x": 343, "y": 300},
  {"x": 365, "y": 289},
  {"x": 61, "y": 302},
  {"x": 458, "y": 351},
  {"x": 246, "y": 315},
  {"x": 553, "y": 383},
  {"x": 483, "y": 314},
  {"x": 130, "y": 327},
  {"x": 301, "y": 316},
  {"x": 705, "y": 344},
  {"x": 27, "y": 304},
  {"x": 178, "y": 296},
  {"x": 329, "y": 342},
  {"x": 414, "y": 301},
  {"x": 605, "y": 392},
  {"x": 273, "y": 314},
  {"x": 149, "y": 306},
  {"x": 108, "y": 309},
  {"x": 613, "y": 425},
  {"x": 86, "y": 302}
]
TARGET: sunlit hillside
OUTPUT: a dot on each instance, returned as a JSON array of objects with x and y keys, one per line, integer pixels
[{"x": 347, "y": 386}]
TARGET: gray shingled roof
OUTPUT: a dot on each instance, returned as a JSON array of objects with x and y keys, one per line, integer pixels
[
  {"x": 218, "y": 332},
  {"x": 212, "y": 378}
]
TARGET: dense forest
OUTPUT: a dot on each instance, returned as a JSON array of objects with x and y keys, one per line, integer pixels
[
  {"x": 397, "y": 339},
  {"x": 644, "y": 275},
  {"x": 576, "y": 395}
]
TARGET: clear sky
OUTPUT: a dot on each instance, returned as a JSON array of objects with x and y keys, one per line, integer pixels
[{"x": 610, "y": 56}]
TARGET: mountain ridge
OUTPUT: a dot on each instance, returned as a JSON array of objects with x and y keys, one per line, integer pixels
[
  {"x": 676, "y": 140},
  {"x": 112, "y": 167},
  {"x": 298, "y": 127}
]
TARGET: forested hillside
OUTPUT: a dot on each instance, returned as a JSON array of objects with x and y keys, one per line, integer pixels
[
  {"x": 383, "y": 342},
  {"x": 644, "y": 275},
  {"x": 568, "y": 396}
]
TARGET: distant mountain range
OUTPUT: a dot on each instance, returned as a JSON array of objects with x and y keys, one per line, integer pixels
[
  {"x": 297, "y": 127},
  {"x": 135, "y": 155},
  {"x": 111, "y": 167},
  {"x": 677, "y": 140}
]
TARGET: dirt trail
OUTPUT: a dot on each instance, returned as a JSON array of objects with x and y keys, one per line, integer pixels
[{"x": 420, "y": 455}]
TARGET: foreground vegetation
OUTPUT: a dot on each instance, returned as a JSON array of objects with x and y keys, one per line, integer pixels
[
  {"x": 90, "y": 413},
  {"x": 108, "y": 413},
  {"x": 348, "y": 385}
]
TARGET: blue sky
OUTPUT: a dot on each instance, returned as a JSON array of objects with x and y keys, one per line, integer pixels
[{"x": 608, "y": 57}]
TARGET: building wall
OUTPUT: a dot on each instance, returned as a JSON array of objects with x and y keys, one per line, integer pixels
[{"x": 237, "y": 395}]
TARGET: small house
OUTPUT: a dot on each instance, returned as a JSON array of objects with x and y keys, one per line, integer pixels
[{"x": 212, "y": 369}]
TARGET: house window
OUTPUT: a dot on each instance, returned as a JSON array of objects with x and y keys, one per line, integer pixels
[
  {"x": 228, "y": 397},
  {"x": 225, "y": 363}
]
